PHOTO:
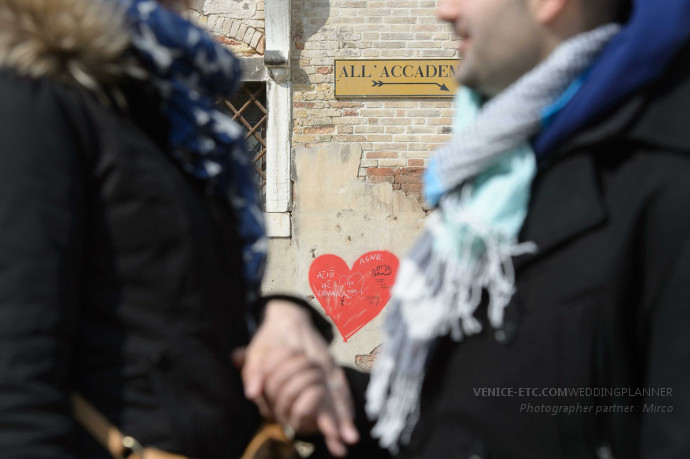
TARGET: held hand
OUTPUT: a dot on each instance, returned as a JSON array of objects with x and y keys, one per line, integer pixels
[
  {"x": 304, "y": 398},
  {"x": 306, "y": 387}
]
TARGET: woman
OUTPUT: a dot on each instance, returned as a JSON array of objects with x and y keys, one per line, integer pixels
[{"x": 131, "y": 241}]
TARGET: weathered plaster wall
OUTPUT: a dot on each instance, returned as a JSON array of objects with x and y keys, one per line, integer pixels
[{"x": 337, "y": 213}]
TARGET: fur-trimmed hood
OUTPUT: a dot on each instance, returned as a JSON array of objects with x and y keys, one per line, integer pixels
[{"x": 77, "y": 42}]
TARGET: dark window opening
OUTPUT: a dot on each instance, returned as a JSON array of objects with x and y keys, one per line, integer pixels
[{"x": 248, "y": 109}]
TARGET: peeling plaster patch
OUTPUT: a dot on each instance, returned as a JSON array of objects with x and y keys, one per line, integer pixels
[
  {"x": 365, "y": 362},
  {"x": 237, "y": 9}
]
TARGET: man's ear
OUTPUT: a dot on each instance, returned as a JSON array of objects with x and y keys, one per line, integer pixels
[
  {"x": 546, "y": 12},
  {"x": 562, "y": 18}
]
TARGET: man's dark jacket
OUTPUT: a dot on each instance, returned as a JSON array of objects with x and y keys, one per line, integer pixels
[{"x": 605, "y": 304}]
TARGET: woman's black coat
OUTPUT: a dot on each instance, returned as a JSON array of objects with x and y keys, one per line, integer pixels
[{"x": 119, "y": 278}]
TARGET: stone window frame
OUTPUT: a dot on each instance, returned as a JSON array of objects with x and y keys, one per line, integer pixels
[{"x": 273, "y": 68}]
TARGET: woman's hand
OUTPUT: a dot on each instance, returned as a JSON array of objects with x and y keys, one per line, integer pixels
[{"x": 288, "y": 371}]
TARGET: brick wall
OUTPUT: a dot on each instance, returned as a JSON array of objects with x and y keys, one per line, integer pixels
[
  {"x": 397, "y": 135},
  {"x": 237, "y": 24}
]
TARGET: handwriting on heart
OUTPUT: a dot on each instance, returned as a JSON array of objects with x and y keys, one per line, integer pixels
[{"x": 353, "y": 297}]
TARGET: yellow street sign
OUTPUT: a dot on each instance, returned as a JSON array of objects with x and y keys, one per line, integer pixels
[{"x": 395, "y": 78}]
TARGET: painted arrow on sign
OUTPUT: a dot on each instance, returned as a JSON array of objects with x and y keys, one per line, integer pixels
[{"x": 381, "y": 83}]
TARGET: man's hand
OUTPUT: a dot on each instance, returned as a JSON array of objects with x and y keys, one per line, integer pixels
[{"x": 290, "y": 374}]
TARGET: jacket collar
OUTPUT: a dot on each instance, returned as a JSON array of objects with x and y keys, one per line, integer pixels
[
  {"x": 664, "y": 120},
  {"x": 570, "y": 204},
  {"x": 654, "y": 119}
]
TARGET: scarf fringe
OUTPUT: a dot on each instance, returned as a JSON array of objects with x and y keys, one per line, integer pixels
[
  {"x": 398, "y": 411},
  {"x": 450, "y": 289},
  {"x": 442, "y": 301}
]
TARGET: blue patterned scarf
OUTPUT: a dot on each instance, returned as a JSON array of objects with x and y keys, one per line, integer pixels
[{"x": 190, "y": 72}]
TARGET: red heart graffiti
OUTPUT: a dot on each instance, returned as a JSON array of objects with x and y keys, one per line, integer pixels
[{"x": 353, "y": 297}]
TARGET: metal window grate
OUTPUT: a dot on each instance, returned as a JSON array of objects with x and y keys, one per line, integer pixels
[{"x": 248, "y": 108}]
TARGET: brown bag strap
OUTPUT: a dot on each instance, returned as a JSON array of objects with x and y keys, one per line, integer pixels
[
  {"x": 269, "y": 442},
  {"x": 120, "y": 446}
]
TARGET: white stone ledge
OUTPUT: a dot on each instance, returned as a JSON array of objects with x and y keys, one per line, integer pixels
[{"x": 278, "y": 224}]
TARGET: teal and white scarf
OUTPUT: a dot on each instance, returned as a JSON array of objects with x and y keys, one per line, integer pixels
[{"x": 481, "y": 183}]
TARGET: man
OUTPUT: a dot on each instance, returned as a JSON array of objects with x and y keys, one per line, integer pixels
[{"x": 543, "y": 312}]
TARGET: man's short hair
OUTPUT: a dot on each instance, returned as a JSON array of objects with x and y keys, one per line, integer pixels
[{"x": 599, "y": 12}]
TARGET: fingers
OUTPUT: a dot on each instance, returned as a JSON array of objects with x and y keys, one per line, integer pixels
[
  {"x": 292, "y": 376},
  {"x": 302, "y": 397},
  {"x": 250, "y": 370},
  {"x": 343, "y": 406},
  {"x": 282, "y": 368},
  {"x": 283, "y": 328},
  {"x": 304, "y": 409},
  {"x": 298, "y": 400},
  {"x": 252, "y": 374},
  {"x": 327, "y": 424},
  {"x": 259, "y": 362}
]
